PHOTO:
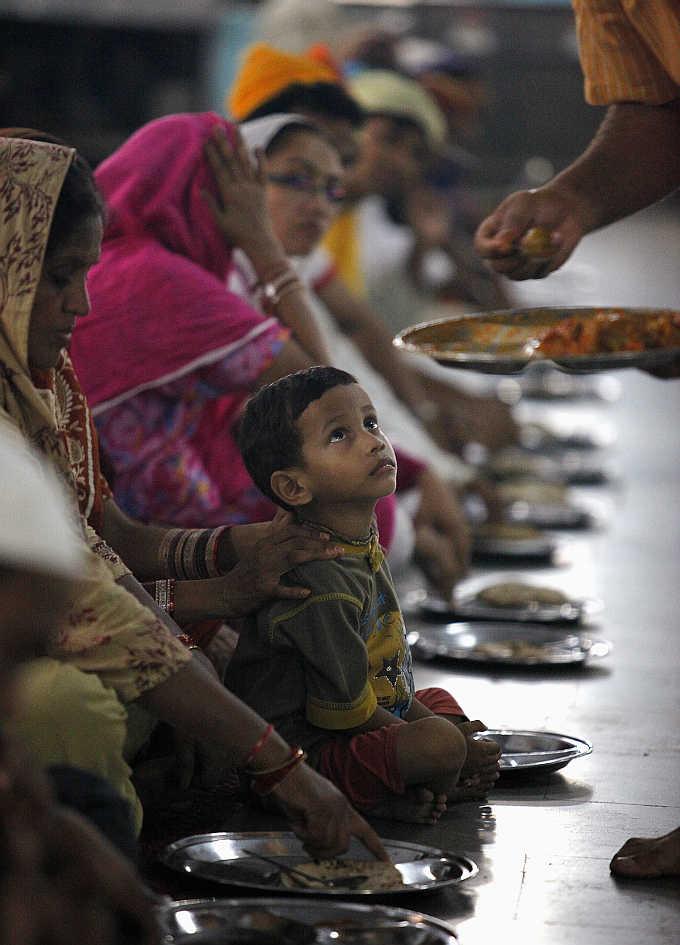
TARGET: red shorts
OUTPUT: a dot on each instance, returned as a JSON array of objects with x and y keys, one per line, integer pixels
[{"x": 364, "y": 767}]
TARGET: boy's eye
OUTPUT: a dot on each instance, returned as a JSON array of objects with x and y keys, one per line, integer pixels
[
  {"x": 371, "y": 423},
  {"x": 337, "y": 435}
]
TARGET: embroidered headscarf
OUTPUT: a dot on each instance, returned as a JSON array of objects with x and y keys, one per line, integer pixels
[
  {"x": 107, "y": 631},
  {"x": 49, "y": 408}
]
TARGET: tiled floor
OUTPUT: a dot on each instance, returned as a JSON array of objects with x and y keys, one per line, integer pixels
[{"x": 543, "y": 849}]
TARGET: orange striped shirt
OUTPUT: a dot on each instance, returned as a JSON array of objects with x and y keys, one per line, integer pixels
[{"x": 630, "y": 50}]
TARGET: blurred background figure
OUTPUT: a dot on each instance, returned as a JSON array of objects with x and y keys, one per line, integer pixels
[
  {"x": 413, "y": 249},
  {"x": 295, "y": 25},
  {"x": 271, "y": 81},
  {"x": 61, "y": 880}
]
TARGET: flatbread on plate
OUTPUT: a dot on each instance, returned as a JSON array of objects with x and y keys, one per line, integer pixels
[
  {"x": 507, "y": 531},
  {"x": 516, "y": 594},
  {"x": 540, "y": 493},
  {"x": 378, "y": 875}
]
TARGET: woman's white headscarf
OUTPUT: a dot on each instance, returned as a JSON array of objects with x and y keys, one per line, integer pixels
[{"x": 259, "y": 133}]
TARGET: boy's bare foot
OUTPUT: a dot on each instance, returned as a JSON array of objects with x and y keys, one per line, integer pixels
[
  {"x": 417, "y": 806},
  {"x": 647, "y": 857},
  {"x": 481, "y": 769}
]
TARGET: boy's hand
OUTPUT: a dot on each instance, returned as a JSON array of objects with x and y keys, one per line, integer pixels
[
  {"x": 322, "y": 817},
  {"x": 265, "y": 552}
]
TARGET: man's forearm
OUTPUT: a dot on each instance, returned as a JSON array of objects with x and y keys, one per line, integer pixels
[{"x": 633, "y": 161}]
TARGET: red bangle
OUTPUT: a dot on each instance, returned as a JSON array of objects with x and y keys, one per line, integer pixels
[
  {"x": 188, "y": 641},
  {"x": 211, "y": 551},
  {"x": 258, "y": 746},
  {"x": 266, "y": 782}
]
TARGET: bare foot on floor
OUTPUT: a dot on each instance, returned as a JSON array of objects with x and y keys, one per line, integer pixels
[
  {"x": 481, "y": 769},
  {"x": 416, "y": 806},
  {"x": 648, "y": 857}
]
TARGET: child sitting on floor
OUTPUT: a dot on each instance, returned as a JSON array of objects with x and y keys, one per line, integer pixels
[{"x": 333, "y": 671}]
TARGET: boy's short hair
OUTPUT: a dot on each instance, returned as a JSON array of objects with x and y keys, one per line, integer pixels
[{"x": 269, "y": 438}]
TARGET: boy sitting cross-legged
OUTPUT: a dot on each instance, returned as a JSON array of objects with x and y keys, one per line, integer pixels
[{"x": 333, "y": 671}]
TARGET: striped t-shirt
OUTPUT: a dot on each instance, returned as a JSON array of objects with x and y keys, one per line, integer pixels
[{"x": 630, "y": 50}]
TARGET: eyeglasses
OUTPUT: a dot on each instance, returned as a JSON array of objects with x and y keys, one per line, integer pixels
[{"x": 332, "y": 190}]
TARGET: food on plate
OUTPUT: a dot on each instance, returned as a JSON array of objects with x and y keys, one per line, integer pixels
[
  {"x": 378, "y": 875},
  {"x": 610, "y": 331},
  {"x": 532, "y": 491},
  {"x": 510, "y": 650},
  {"x": 507, "y": 531},
  {"x": 516, "y": 462},
  {"x": 537, "y": 243},
  {"x": 517, "y": 594}
]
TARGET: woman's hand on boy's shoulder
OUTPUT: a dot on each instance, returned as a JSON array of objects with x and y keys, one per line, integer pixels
[{"x": 266, "y": 551}]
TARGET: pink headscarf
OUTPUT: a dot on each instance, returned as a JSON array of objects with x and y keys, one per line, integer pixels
[{"x": 159, "y": 304}]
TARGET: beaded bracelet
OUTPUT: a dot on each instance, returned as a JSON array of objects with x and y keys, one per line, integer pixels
[
  {"x": 258, "y": 746},
  {"x": 272, "y": 292},
  {"x": 267, "y": 781},
  {"x": 164, "y": 595},
  {"x": 273, "y": 286},
  {"x": 293, "y": 286},
  {"x": 212, "y": 549}
]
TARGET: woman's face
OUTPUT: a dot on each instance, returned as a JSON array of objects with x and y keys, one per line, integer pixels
[
  {"x": 304, "y": 190},
  {"x": 61, "y": 296}
]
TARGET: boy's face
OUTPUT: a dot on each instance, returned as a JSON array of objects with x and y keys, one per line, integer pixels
[{"x": 346, "y": 456}]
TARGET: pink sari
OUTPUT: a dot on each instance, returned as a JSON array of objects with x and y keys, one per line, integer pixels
[{"x": 168, "y": 355}]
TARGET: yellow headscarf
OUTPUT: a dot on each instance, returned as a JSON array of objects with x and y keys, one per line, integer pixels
[{"x": 265, "y": 72}]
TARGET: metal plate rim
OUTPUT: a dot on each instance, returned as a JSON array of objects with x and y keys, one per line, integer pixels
[
  {"x": 572, "y": 364},
  {"x": 519, "y": 547},
  {"x": 583, "y": 747},
  {"x": 306, "y": 903},
  {"x": 465, "y": 864},
  {"x": 570, "y": 655},
  {"x": 415, "y": 606}
]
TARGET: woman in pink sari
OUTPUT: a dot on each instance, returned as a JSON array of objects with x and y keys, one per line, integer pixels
[{"x": 168, "y": 355}]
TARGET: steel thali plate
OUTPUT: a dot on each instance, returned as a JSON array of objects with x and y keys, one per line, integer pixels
[
  {"x": 296, "y": 922},
  {"x": 525, "y": 751},
  {"x": 538, "y": 545},
  {"x": 422, "y": 604},
  {"x": 222, "y": 858},
  {"x": 505, "y": 342},
  {"x": 511, "y": 643}
]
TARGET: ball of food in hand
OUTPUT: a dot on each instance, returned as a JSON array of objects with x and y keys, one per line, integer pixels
[{"x": 537, "y": 243}]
